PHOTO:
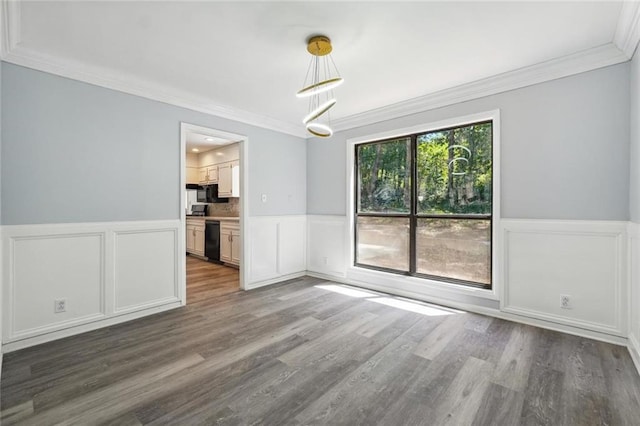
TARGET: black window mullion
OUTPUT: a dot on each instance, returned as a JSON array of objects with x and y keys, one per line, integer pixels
[
  {"x": 356, "y": 171},
  {"x": 413, "y": 221}
]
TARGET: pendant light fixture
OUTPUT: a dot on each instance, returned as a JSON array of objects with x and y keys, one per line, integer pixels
[{"x": 322, "y": 77}]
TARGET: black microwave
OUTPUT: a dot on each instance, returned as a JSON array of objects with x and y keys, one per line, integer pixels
[
  {"x": 202, "y": 194},
  {"x": 209, "y": 194}
]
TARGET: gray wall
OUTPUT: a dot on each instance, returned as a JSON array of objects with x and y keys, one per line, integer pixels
[
  {"x": 565, "y": 147},
  {"x": 634, "y": 90},
  {"x": 74, "y": 152}
]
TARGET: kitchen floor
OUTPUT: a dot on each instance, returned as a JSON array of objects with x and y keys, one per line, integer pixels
[{"x": 206, "y": 280}]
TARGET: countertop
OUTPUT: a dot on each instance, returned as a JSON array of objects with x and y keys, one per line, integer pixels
[{"x": 229, "y": 218}]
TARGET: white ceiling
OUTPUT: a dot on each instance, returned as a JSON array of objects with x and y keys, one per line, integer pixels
[
  {"x": 204, "y": 142},
  {"x": 250, "y": 58}
]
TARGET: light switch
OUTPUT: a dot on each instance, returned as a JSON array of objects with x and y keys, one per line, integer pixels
[{"x": 264, "y": 198}]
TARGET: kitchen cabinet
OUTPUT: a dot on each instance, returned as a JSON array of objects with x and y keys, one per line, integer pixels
[
  {"x": 193, "y": 175},
  {"x": 195, "y": 237},
  {"x": 229, "y": 179},
  {"x": 208, "y": 175},
  {"x": 230, "y": 243}
]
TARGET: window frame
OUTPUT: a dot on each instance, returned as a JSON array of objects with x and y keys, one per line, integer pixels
[{"x": 426, "y": 280}]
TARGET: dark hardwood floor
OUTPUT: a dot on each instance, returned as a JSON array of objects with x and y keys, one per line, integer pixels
[{"x": 314, "y": 352}]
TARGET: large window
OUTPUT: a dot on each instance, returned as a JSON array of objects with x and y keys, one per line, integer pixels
[{"x": 424, "y": 204}]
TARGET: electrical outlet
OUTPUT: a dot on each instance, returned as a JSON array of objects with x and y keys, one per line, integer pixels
[
  {"x": 325, "y": 260},
  {"x": 565, "y": 301},
  {"x": 59, "y": 305}
]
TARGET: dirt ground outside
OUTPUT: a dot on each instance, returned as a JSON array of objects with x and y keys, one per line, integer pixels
[{"x": 452, "y": 248}]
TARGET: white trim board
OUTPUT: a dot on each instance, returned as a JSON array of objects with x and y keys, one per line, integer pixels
[
  {"x": 103, "y": 270},
  {"x": 612, "y": 53},
  {"x": 496, "y": 252},
  {"x": 495, "y": 313},
  {"x": 627, "y": 34},
  {"x": 633, "y": 346},
  {"x": 275, "y": 248},
  {"x": 83, "y": 328},
  {"x": 586, "y": 260},
  {"x": 591, "y": 268},
  {"x": 244, "y": 193}
]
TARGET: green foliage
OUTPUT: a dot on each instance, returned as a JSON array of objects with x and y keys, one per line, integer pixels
[
  {"x": 384, "y": 176},
  {"x": 454, "y": 172}
]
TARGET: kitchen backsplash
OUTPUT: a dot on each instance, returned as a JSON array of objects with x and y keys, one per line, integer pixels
[{"x": 232, "y": 208}]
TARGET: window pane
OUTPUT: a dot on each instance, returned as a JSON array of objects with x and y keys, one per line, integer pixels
[
  {"x": 383, "y": 242},
  {"x": 455, "y": 248},
  {"x": 384, "y": 177},
  {"x": 454, "y": 170}
]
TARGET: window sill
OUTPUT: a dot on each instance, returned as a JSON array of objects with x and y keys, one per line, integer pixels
[{"x": 423, "y": 288}]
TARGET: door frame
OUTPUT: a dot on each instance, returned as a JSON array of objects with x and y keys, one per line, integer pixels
[{"x": 244, "y": 199}]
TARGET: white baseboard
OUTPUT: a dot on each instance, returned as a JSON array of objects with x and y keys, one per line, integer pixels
[
  {"x": 576, "y": 331},
  {"x": 277, "y": 280},
  {"x": 83, "y": 328},
  {"x": 587, "y": 260},
  {"x": 107, "y": 272},
  {"x": 634, "y": 350}
]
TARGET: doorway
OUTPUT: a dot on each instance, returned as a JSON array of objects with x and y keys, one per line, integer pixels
[{"x": 212, "y": 210}]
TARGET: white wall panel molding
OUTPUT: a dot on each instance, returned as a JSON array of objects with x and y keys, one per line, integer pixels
[
  {"x": 634, "y": 350},
  {"x": 145, "y": 268},
  {"x": 633, "y": 306},
  {"x": 479, "y": 309},
  {"x": 140, "y": 87},
  {"x": 327, "y": 245},
  {"x": 9, "y": 25},
  {"x": 277, "y": 249},
  {"x": 627, "y": 34},
  {"x": 102, "y": 270},
  {"x": 583, "y": 259},
  {"x": 11, "y": 51}
]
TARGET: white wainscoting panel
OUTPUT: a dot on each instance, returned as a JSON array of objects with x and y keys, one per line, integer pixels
[
  {"x": 583, "y": 259},
  {"x": 327, "y": 245},
  {"x": 292, "y": 246},
  {"x": 145, "y": 268},
  {"x": 277, "y": 249},
  {"x": 634, "y": 292},
  {"x": 104, "y": 271},
  {"x": 49, "y": 267}
]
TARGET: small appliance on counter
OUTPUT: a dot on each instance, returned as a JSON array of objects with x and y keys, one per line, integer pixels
[{"x": 198, "y": 210}]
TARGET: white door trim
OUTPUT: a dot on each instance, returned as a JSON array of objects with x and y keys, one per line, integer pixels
[{"x": 244, "y": 199}]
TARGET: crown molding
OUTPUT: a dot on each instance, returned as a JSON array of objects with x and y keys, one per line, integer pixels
[
  {"x": 9, "y": 26},
  {"x": 577, "y": 63},
  {"x": 134, "y": 85},
  {"x": 626, "y": 40},
  {"x": 627, "y": 34},
  {"x": 11, "y": 51}
]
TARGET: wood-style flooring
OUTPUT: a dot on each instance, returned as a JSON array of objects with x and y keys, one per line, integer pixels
[{"x": 314, "y": 352}]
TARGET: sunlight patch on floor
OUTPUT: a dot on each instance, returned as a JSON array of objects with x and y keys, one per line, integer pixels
[
  {"x": 394, "y": 302},
  {"x": 415, "y": 307},
  {"x": 347, "y": 291}
]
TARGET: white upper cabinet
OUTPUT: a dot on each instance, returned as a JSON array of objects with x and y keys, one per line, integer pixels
[
  {"x": 208, "y": 175},
  {"x": 193, "y": 175},
  {"x": 225, "y": 181},
  {"x": 235, "y": 179}
]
